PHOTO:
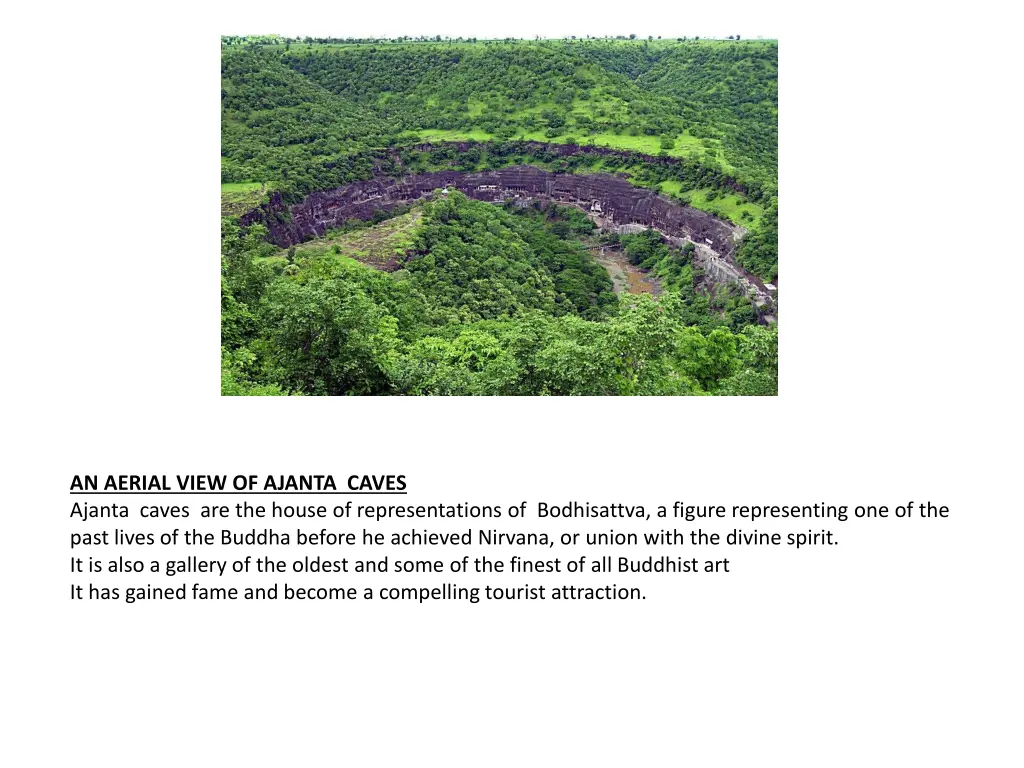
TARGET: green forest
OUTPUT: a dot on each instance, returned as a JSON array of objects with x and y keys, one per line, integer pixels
[{"x": 450, "y": 295}]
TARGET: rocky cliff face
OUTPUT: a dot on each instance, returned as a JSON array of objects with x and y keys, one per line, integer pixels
[
  {"x": 612, "y": 201},
  {"x": 610, "y": 197}
]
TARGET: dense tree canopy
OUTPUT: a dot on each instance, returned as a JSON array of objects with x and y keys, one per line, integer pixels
[{"x": 494, "y": 302}]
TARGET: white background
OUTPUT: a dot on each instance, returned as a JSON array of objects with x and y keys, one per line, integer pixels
[{"x": 899, "y": 167}]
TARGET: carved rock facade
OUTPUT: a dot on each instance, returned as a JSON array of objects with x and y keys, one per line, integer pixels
[{"x": 611, "y": 201}]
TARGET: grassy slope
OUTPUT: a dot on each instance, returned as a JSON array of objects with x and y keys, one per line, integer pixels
[
  {"x": 478, "y": 90},
  {"x": 733, "y": 207},
  {"x": 373, "y": 246},
  {"x": 685, "y": 145},
  {"x": 481, "y": 87},
  {"x": 238, "y": 197}
]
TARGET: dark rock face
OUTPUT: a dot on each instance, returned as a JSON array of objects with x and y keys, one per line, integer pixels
[
  {"x": 612, "y": 201},
  {"x": 609, "y": 197}
]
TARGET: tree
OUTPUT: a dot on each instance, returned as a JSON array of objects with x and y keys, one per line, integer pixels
[
  {"x": 750, "y": 383},
  {"x": 708, "y": 359},
  {"x": 329, "y": 338}
]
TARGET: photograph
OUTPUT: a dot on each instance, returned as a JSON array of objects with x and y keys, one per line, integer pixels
[{"x": 434, "y": 215}]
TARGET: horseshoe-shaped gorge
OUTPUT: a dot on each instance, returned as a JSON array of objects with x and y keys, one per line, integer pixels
[{"x": 610, "y": 201}]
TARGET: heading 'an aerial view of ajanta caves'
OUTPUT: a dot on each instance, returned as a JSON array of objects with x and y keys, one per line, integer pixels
[{"x": 432, "y": 216}]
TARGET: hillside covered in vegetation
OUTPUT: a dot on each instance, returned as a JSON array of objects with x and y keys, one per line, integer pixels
[{"x": 451, "y": 295}]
